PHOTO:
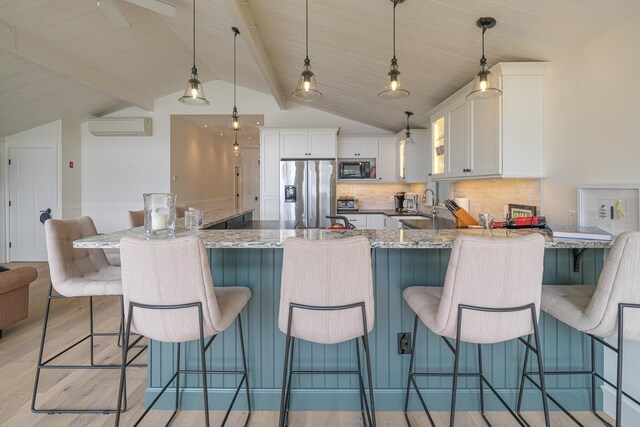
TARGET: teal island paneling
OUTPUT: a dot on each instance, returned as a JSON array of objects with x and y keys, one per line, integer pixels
[{"x": 394, "y": 269}]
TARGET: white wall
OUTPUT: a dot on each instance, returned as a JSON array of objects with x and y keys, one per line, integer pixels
[
  {"x": 117, "y": 170},
  {"x": 203, "y": 167},
  {"x": 71, "y": 177},
  {"x": 591, "y": 118},
  {"x": 592, "y": 136}
]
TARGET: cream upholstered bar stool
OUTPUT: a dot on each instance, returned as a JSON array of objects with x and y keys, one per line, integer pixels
[
  {"x": 76, "y": 273},
  {"x": 603, "y": 311},
  {"x": 319, "y": 305},
  {"x": 491, "y": 294},
  {"x": 169, "y": 296}
]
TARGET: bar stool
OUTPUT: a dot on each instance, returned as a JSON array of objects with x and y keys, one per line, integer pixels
[
  {"x": 170, "y": 297},
  {"x": 599, "y": 312},
  {"x": 319, "y": 304},
  {"x": 491, "y": 294},
  {"x": 76, "y": 273}
]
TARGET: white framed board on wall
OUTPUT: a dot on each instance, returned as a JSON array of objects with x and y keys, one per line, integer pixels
[{"x": 613, "y": 208}]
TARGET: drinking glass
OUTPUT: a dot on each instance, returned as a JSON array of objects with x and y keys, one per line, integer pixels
[{"x": 191, "y": 220}]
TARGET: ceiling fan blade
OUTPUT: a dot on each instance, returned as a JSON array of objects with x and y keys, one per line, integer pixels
[
  {"x": 114, "y": 14},
  {"x": 156, "y": 6}
]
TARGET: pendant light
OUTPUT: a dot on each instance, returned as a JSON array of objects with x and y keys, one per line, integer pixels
[
  {"x": 484, "y": 86},
  {"x": 307, "y": 89},
  {"x": 394, "y": 88},
  {"x": 235, "y": 118},
  {"x": 194, "y": 93},
  {"x": 408, "y": 139},
  {"x": 236, "y": 146}
]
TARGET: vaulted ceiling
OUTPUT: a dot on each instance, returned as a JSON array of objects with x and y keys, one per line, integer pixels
[{"x": 66, "y": 59}]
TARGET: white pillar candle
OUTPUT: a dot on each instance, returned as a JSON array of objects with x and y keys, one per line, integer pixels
[{"x": 158, "y": 221}]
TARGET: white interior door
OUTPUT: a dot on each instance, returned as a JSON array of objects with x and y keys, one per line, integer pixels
[{"x": 32, "y": 189}]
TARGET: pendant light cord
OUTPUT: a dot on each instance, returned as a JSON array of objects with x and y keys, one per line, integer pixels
[
  {"x": 484, "y": 29},
  {"x": 395, "y": 3},
  {"x": 235, "y": 30},
  {"x": 194, "y": 34},
  {"x": 306, "y": 12}
]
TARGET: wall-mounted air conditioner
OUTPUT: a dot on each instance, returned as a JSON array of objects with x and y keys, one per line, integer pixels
[{"x": 120, "y": 126}]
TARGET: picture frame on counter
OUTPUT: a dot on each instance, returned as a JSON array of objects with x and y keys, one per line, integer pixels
[
  {"x": 614, "y": 208},
  {"x": 516, "y": 211}
]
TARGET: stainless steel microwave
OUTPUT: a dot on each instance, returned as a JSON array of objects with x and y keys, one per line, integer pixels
[{"x": 355, "y": 170}]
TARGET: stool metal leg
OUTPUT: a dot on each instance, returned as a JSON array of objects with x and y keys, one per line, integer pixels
[
  {"x": 481, "y": 384},
  {"x": 203, "y": 360},
  {"x": 288, "y": 371},
  {"x": 284, "y": 371},
  {"x": 46, "y": 363},
  {"x": 456, "y": 367},
  {"x": 246, "y": 371},
  {"x": 410, "y": 380}
]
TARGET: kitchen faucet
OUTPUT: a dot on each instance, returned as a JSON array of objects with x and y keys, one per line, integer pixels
[{"x": 436, "y": 202}]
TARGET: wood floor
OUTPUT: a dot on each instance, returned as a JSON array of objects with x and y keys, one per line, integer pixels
[{"x": 19, "y": 351}]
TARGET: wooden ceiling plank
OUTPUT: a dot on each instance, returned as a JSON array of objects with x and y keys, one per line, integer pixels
[
  {"x": 56, "y": 60},
  {"x": 241, "y": 15}
]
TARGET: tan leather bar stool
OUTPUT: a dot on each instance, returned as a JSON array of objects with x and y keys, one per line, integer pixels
[
  {"x": 491, "y": 294},
  {"x": 318, "y": 305},
  {"x": 602, "y": 311},
  {"x": 170, "y": 297},
  {"x": 77, "y": 273}
]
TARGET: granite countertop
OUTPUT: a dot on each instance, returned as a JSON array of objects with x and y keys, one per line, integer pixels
[
  {"x": 387, "y": 212},
  {"x": 389, "y": 239},
  {"x": 216, "y": 217},
  {"x": 429, "y": 224}
]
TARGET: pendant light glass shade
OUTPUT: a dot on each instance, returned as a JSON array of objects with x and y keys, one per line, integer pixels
[
  {"x": 394, "y": 89},
  {"x": 408, "y": 139},
  {"x": 484, "y": 85},
  {"x": 307, "y": 88},
  {"x": 236, "y": 146},
  {"x": 194, "y": 93}
]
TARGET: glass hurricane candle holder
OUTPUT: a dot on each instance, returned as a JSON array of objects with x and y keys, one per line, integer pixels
[{"x": 160, "y": 214}]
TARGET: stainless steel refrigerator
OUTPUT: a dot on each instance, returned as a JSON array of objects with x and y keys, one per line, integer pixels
[{"x": 308, "y": 192}]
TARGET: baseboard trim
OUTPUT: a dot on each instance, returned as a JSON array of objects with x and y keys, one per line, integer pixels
[
  {"x": 385, "y": 400},
  {"x": 630, "y": 411}
]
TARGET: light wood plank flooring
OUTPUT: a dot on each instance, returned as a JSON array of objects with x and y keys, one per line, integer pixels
[{"x": 19, "y": 351}]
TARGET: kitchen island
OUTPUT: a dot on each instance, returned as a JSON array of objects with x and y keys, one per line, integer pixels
[{"x": 400, "y": 258}]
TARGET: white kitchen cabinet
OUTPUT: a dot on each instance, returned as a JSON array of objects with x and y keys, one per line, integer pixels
[
  {"x": 495, "y": 138},
  {"x": 414, "y": 159},
  {"x": 438, "y": 150},
  {"x": 386, "y": 162},
  {"x": 269, "y": 174},
  {"x": 358, "y": 220},
  {"x": 458, "y": 158},
  {"x": 308, "y": 143},
  {"x": 391, "y": 223},
  {"x": 353, "y": 147},
  {"x": 376, "y": 221}
]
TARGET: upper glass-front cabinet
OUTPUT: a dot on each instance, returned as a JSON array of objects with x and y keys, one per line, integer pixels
[{"x": 437, "y": 146}]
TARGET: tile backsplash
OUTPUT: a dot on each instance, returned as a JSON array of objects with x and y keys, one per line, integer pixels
[
  {"x": 492, "y": 196},
  {"x": 377, "y": 196}
]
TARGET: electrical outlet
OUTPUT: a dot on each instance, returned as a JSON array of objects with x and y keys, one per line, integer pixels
[
  {"x": 404, "y": 343},
  {"x": 572, "y": 217}
]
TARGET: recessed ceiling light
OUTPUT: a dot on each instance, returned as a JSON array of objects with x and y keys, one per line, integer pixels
[
  {"x": 222, "y": 134},
  {"x": 206, "y": 126}
]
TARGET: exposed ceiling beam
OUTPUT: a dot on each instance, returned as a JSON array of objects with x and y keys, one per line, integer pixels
[
  {"x": 241, "y": 15},
  {"x": 56, "y": 60}
]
